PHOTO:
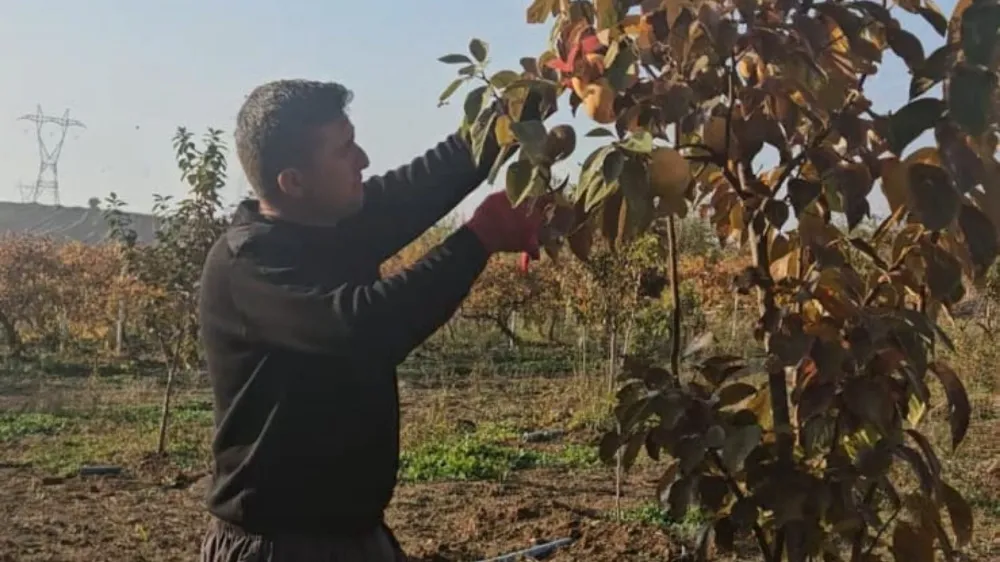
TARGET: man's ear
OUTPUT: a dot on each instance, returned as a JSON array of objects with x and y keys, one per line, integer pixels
[{"x": 290, "y": 183}]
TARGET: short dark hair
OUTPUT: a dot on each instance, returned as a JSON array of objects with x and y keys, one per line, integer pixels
[{"x": 275, "y": 125}]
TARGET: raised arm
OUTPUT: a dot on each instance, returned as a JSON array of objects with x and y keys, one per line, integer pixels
[
  {"x": 403, "y": 203},
  {"x": 386, "y": 318}
]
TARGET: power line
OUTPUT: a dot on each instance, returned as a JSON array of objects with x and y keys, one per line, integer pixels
[{"x": 48, "y": 166}]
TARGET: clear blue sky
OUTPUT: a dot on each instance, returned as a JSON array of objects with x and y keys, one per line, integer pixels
[{"x": 134, "y": 71}]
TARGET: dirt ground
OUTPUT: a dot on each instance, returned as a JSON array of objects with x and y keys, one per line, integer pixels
[
  {"x": 104, "y": 518},
  {"x": 153, "y": 510}
]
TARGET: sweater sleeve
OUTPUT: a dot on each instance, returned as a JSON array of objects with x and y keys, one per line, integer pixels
[
  {"x": 403, "y": 203},
  {"x": 386, "y": 318}
]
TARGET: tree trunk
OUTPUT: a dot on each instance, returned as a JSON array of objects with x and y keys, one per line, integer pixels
[
  {"x": 120, "y": 328},
  {"x": 11, "y": 335},
  {"x": 511, "y": 331},
  {"x": 173, "y": 361},
  {"x": 612, "y": 363},
  {"x": 736, "y": 313},
  {"x": 161, "y": 442}
]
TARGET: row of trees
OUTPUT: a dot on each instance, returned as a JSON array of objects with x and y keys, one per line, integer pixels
[{"x": 120, "y": 299}]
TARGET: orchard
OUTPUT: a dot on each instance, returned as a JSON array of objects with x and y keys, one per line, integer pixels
[{"x": 760, "y": 328}]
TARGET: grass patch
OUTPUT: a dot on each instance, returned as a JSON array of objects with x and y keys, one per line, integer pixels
[
  {"x": 486, "y": 455},
  {"x": 465, "y": 458},
  {"x": 123, "y": 435},
  {"x": 654, "y": 515},
  {"x": 16, "y": 426},
  {"x": 572, "y": 456}
]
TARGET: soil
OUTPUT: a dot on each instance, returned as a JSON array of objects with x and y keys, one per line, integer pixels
[
  {"x": 153, "y": 511},
  {"x": 142, "y": 518}
]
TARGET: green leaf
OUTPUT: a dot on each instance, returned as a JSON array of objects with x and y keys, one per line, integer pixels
[
  {"x": 907, "y": 46},
  {"x": 614, "y": 163},
  {"x": 934, "y": 17},
  {"x": 980, "y": 236},
  {"x": 479, "y": 49},
  {"x": 678, "y": 497},
  {"x": 531, "y": 135},
  {"x": 801, "y": 193},
  {"x": 691, "y": 451},
  {"x": 776, "y": 213},
  {"x": 739, "y": 443},
  {"x": 606, "y": 12},
  {"x": 911, "y": 121},
  {"x": 539, "y": 10},
  {"x": 591, "y": 177},
  {"x": 542, "y": 85},
  {"x": 640, "y": 141},
  {"x": 450, "y": 90},
  {"x": 519, "y": 176},
  {"x": 480, "y": 132},
  {"x": 875, "y": 10},
  {"x": 980, "y": 25},
  {"x": 599, "y": 191},
  {"x": 504, "y": 78},
  {"x": 933, "y": 200},
  {"x": 455, "y": 58},
  {"x": 608, "y": 447},
  {"x": 933, "y": 70},
  {"x": 960, "y": 514},
  {"x": 474, "y": 104},
  {"x": 639, "y": 210},
  {"x": 616, "y": 68},
  {"x": 959, "y": 410},
  {"x": 715, "y": 437},
  {"x": 632, "y": 449},
  {"x": 600, "y": 132},
  {"x": 734, "y": 394},
  {"x": 920, "y": 469},
  {"x": 970, "y": 97}
]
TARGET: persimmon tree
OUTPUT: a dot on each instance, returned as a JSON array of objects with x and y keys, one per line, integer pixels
[
  {"x": 90, "y": 291},
  {"x": 801, "y": 452},
  {"x": 29, "y": 289},
  {"x": 170, "y": 268},
  {"x": 504, "y": 290}
]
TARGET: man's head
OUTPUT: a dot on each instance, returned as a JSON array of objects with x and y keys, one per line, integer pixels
[{"x": 296, "y": 145}]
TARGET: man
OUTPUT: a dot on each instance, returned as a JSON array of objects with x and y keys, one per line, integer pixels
[{"x": 303, "y": 338}]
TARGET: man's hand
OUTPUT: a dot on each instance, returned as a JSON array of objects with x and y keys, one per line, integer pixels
[{"x": 502, "y": 228}]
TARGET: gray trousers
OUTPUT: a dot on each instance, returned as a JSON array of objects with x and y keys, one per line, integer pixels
[{"x": 223, "y": 543}]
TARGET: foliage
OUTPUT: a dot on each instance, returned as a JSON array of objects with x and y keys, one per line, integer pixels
[
  {"x": 504, "y": 289},
  {"x": 170, "y": 269},
  {"x": 807, "y": 462},
  {"x": 465, "y": 458},
  {"x": 172, "y": 266}
]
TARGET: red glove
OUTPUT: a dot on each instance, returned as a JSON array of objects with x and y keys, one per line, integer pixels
[{"x": 502, "y": 228}]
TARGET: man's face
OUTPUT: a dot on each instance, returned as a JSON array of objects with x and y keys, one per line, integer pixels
[{"x": 330, "y": 186}]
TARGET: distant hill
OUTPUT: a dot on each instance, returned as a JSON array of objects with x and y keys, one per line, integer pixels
[{"x": 83, "y": 224}]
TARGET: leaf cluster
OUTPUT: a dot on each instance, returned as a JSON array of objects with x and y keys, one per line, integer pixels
[
  {"x": 171, "y": 266},
  {"x": 689, "y": 94}
]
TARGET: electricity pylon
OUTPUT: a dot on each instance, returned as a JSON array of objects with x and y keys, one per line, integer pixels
[{"x": 48, "y": 166}]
